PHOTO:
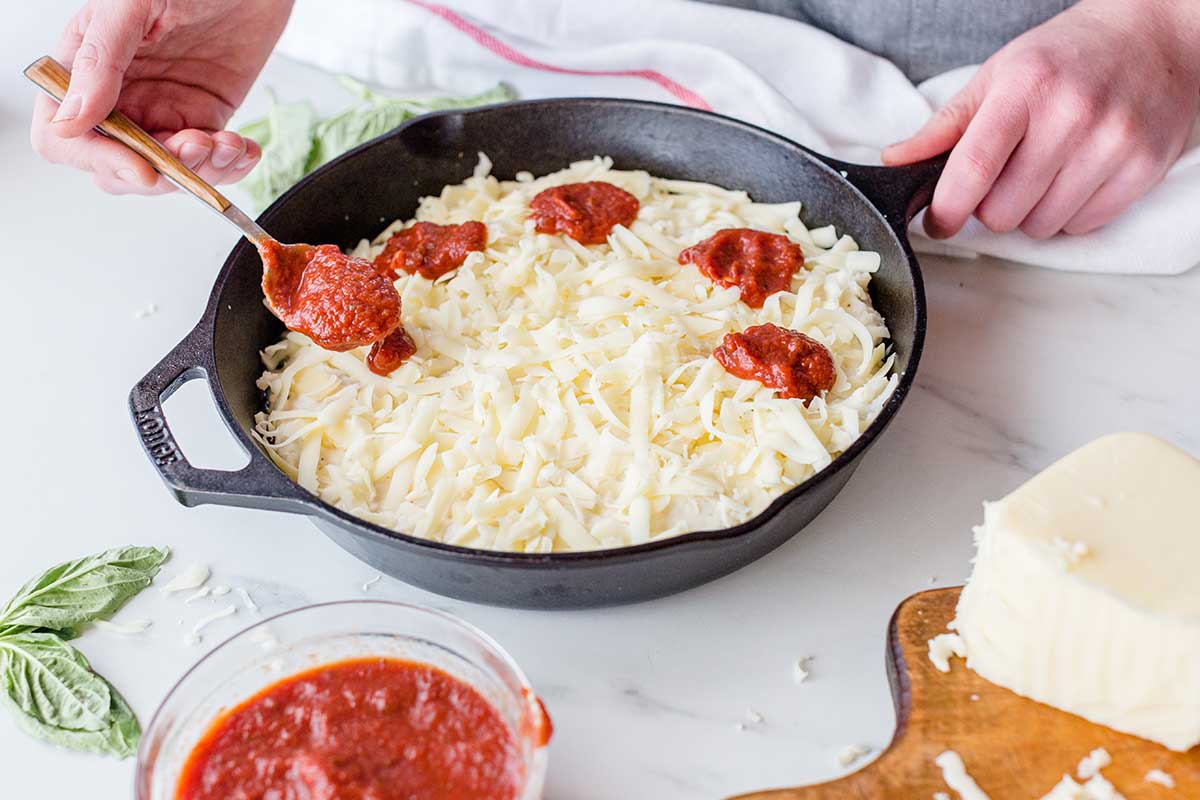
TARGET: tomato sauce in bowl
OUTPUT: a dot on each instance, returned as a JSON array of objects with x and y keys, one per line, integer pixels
[
  {"x": 355, "y": 700},
  {"x": 377, "y": 728}
]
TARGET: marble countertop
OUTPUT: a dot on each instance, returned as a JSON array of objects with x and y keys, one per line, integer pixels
[{"x": 651, "y": 700}]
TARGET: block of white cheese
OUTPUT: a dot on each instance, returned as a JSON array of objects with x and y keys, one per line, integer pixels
[{"x": 1085, "y": 593}]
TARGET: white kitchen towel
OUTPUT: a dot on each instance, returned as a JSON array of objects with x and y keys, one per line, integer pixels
[{"x": 770, "y": 71}]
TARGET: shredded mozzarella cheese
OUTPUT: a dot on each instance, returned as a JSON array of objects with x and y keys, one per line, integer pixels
[
  {"x": 954, "y": 773},
  {"x": 851, "y": 753},
  {"x": 192, "y": 577},
  {"x": 1097, "y": 788},
  {"x": 1160, "y": 777},
  {"x": 564, "y": 397},
  {"x": 943, "y": 646},
  {"x": 1093, "y": 762},
  {"x": 126, "y": 628}
]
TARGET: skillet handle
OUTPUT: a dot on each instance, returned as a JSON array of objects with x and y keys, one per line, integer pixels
[
  {"x": 260, "y": 484},
  {"x": 898, "y": 192}
]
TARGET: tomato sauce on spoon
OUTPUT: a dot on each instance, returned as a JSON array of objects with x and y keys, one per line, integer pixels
[{"x": 338, "y": 301}]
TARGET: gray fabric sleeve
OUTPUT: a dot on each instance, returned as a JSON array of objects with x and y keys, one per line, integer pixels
[{"x": 921, "y": 37}]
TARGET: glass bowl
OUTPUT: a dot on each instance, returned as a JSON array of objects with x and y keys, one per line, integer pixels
[{"x": 321, "y": 634}]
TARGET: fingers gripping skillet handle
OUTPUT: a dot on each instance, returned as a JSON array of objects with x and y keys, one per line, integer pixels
[
  {"x": 898, "y": 192},
  {"x": 259, "y": 484}
]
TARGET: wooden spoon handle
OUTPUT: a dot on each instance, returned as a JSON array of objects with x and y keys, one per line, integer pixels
[{"x": 53, "y": 78}]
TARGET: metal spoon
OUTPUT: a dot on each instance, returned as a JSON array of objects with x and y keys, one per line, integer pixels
[{"x": 53, "y": 78}]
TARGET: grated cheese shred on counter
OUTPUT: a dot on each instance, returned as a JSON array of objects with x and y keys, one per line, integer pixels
[{"x": 563, "y": 397}]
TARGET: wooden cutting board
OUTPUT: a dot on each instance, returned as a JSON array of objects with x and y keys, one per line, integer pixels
[{"x": 1014, "y": 748}]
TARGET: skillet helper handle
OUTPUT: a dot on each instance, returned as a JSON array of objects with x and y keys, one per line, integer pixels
[
  {"x": 898, "y": 192},
  {"x": 53, "y": 78},
  {"x": 260, "y": 484}
]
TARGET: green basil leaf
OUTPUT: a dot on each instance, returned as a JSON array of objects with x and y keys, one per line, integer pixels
[
  {"x": 295, "y": 141},
  {"x": 351, "y": 128},
  {"x": 358, "y": 88},
  {"x": 51, "y": 681},
  {"x": 119, "y": 738},
  {"x": 259, "y": 131},
  {"x": 362, "y": 123},
  {"x": 49, "y": 684},
  {"x": 500, "y": 93},
  {"x": 81, "y": 591},
  {"x": 286, "y": 138}
]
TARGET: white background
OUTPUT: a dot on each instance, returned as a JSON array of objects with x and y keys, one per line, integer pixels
[{"x": 1021, "y": 366}]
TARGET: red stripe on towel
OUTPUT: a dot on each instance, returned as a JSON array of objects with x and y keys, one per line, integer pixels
[{"x": 509, "y": 53}]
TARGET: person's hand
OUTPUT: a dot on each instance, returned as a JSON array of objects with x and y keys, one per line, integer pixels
[
  {"x": 1068, "y": 124},
  {"x": 178, "y": 68}
]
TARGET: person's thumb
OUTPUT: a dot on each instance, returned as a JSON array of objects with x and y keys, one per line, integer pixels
[
  {"x": 98, "y": 67},
  {"x": 942, "y": 131}
]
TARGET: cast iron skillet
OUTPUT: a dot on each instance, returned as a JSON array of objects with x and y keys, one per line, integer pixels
[{"x": 356, "y": 195}]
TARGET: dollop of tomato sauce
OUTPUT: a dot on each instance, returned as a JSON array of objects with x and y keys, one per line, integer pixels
[
  {"x": 760, "y": 263},
  {"x": 338, "y": 301},
  {"x": 431, "y": 250},
  {"x": 364, "y": 729},
  {"x": 587, "y": 212},
  {"x": 537, "y": 727},
  {"x": 794, "y": 364},
  {"x": 387, "y": 356}
]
